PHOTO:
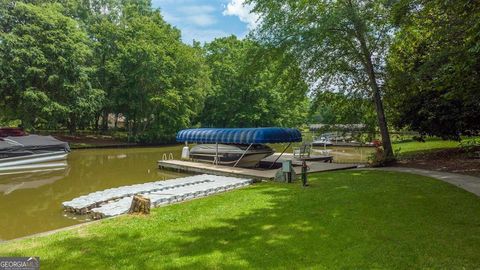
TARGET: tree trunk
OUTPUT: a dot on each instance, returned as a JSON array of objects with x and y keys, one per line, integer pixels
[
  {"x": 134, "y": 125},
  {"x": 140, "y": 205},
  {"x": 72, "y": 124},
  {"x": 377, "y": 97},
  {"x": 97, "y": 119},
  {"x": 382, "y": 124},
  {"x": 105, "y": 120}
]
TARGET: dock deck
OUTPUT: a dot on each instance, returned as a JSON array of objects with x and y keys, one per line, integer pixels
[{"x": 256, "y": 174}]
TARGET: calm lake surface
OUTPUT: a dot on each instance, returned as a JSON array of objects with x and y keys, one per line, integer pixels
[{"x": 31, "y": 203}]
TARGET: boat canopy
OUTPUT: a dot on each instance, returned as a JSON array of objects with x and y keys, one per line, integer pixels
[
  {"x": 32, "y": 143},
  {"x": 240, "y": 135}
]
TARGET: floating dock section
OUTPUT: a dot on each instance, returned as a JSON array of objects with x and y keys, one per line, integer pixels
[{"x": 117, "y": 201}]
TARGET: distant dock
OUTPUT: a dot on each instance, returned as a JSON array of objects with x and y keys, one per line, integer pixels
[{"x": 256, "y": 173}]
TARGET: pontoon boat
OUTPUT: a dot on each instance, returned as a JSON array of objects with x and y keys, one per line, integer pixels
[{"x": 31, "y": 152}]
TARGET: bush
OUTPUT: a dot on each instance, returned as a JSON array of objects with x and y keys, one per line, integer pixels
[
  {"x": 377, "y": 158},
  {"x": 151, "y": 137},
  {"x": 470, "y": 146}
]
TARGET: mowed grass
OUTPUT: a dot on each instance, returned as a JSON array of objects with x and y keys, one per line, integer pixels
[
  {"x": 429, "y": 144},
  {"x": 346, "y": 219}
]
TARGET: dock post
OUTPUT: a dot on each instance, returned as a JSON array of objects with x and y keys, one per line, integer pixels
[
  {"x": 304, "y": 173},
  {"x": 216, "y": 154}
]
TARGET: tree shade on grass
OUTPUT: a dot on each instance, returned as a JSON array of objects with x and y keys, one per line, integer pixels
[{"x": 348, "y": 219}]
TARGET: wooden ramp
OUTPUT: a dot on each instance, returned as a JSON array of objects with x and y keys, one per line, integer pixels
[{"x": 257, "y": 174}]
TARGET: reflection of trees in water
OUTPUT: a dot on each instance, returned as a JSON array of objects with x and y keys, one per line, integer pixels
[
  {"x": 31, "y": 203},
  {"x": 28, "y": 180}
]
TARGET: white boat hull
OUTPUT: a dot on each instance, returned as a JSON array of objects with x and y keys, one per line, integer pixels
[
  {"x": 248, "y": 161},
  {"x": 34, "y": 162},
  {"x": 247, "y": 156}
]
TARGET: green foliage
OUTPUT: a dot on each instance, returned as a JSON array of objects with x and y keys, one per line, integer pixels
[
  {"x": 45, "y": 67},
  {"x": 252, "y": 87},
  {"x": 72, "y": 63},
  {"x": 67, "y": 65},
  {"x": 336, "y": 108},
  {"x": 161, "y": 81},
  {"x": 376, "y": 158},
  {"x": 470, "y": 145},
  {"x": 434, "y": 77},
  {"x": 341, "y": 45}
]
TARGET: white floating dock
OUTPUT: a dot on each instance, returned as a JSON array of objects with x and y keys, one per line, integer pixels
[{"x": 116, "y": 201}]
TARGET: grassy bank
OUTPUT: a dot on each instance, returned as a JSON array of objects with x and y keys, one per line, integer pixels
[
  {"x": 352, "y": 219},
  {"x": 429, "y": 144}
]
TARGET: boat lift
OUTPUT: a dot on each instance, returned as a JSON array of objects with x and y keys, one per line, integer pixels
[{"x": 244, "y": 136}]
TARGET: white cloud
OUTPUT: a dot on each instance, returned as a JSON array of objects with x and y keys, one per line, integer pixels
[
  {"x": 202, "y": 35},
  {"x": 201, "y": 19},
  {"x": 170, "y": 17},
  {"x": 199, "y": 15},
  {"x": 243, "y": 11},
  {"x": 195, "y": 9}
]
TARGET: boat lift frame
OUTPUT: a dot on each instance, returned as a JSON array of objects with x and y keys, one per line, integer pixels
[
  {"x": 244, "y": 152},
  {"x": 244, "y": 136},
  {"x": 273, "y": 163}
]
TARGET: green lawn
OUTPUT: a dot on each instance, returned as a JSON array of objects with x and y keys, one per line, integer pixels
[
  {"x": 429, "y": 144},
  {"x": 347, "y": 219}
]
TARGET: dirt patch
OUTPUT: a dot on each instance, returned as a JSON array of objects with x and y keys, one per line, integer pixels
[{"x": 447, "y": 160}]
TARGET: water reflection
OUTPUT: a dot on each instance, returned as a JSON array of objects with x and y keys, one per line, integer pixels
[
  {"x": 23, "y": 180},
  {"x": 31, "y": 202}
]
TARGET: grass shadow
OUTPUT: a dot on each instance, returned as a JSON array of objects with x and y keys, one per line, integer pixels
[{"x": 355, "y": 219}]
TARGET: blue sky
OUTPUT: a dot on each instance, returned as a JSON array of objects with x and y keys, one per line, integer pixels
[{"x": 204, "y": 20}]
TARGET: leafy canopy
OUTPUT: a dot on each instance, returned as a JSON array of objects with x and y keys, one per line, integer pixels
[
  {"x": 434, "y": 68},
  {"x": 45, "y": 66},
  {"x": 251, "y": 87},
  {"x": 341, "y": 45}
]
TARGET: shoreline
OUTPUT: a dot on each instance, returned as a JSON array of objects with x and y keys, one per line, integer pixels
[{"x": 75, "y": 146}]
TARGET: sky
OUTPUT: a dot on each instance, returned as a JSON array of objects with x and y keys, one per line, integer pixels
[{"x": 205, "y": 20}]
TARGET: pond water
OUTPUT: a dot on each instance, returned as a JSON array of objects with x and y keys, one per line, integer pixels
[
  {"x": 340, "y": 154},
  {"x": 31, "y": 203}
]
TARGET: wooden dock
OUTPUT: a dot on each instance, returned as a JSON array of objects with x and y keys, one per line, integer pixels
[{"x": 256, "y": 174}]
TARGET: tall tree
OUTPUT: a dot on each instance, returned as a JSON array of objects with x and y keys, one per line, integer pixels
[
  {"x": 101, "y": 21},
  {"x": 341, "y": 44},
  {"x": 251, "y": 87},
  {"x": 434, "y": 68},
  {"x": 45, "y": 67},
  {"x": 162, "y": 82}
]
